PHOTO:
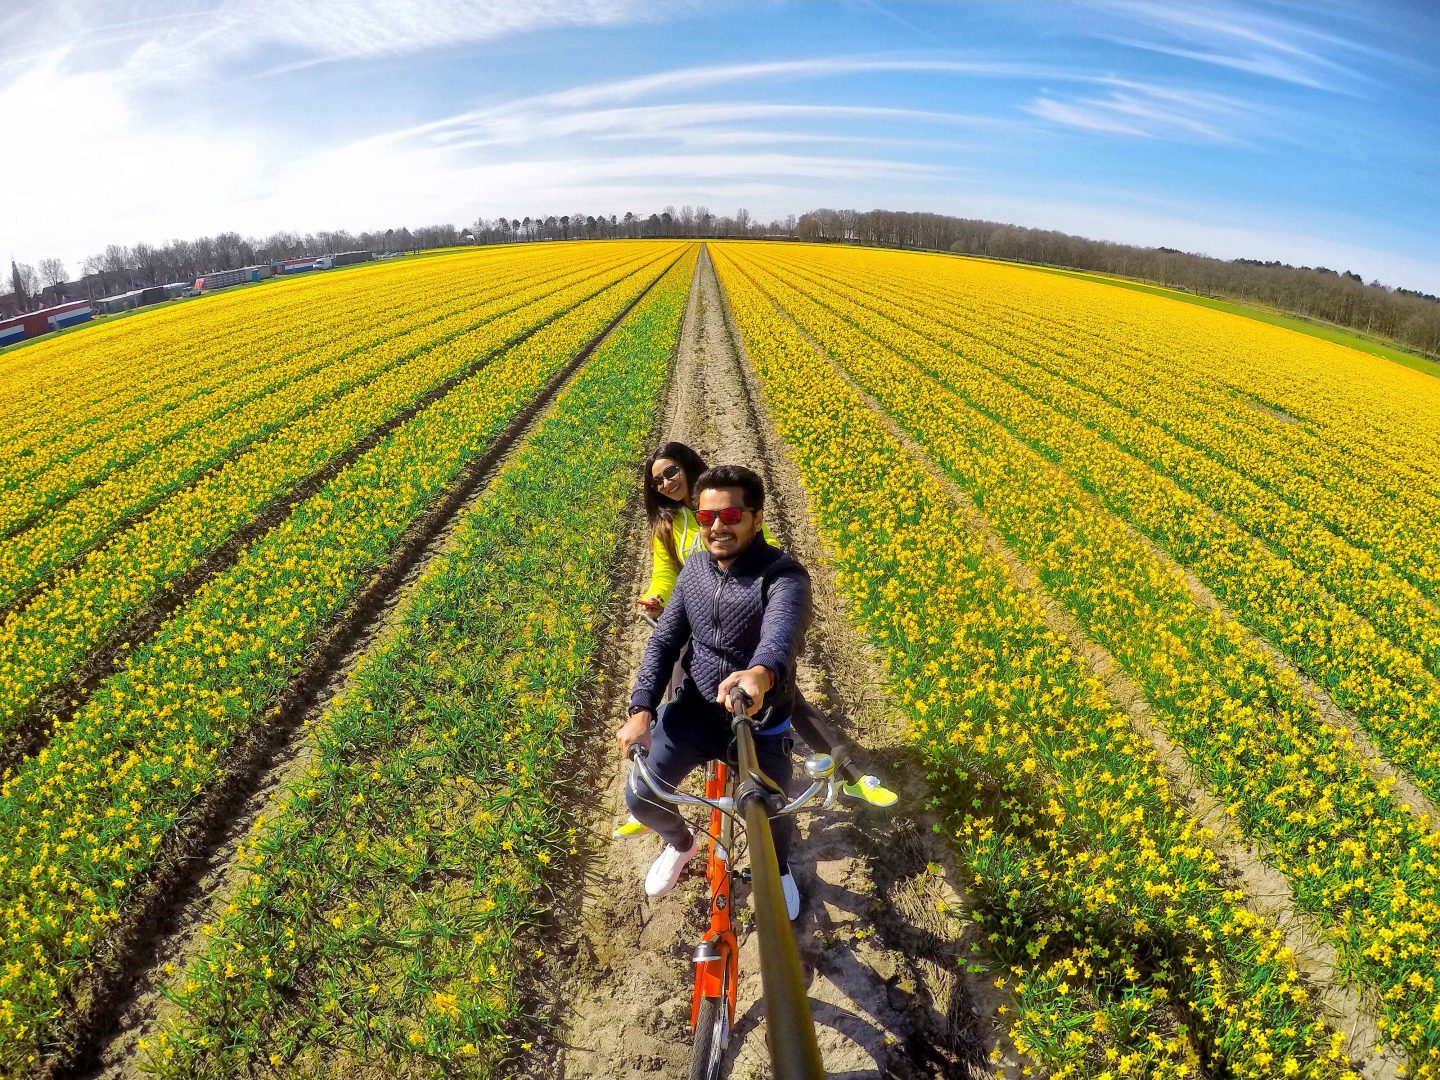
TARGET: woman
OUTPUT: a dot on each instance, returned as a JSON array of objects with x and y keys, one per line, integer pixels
[{"x": 670, "y": 472}]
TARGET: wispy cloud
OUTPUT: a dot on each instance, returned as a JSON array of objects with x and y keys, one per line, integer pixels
[
  {"x": 173, "y": 46},
  {"x": 650, "y": 121},
  {"x": 1152, "y": 111},
  {"x": 1242, "y": 39}
]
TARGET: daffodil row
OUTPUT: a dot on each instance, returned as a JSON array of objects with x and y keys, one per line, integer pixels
[
  {"x": 393, "y": 908},
  {"x": 1169, "y": 361},
  {"x": 46, "y": 642},
  {"x": 1388, "y": 687},
  {"x": 1076, "y": 854},
  {"x": 142, "y": 387},
  {"x": 1354, "y": 857},
  {"x": 181, "y": 437},
  {"x": 1301, "y": 491},
  {"x": 88, "y": 817},
  {"x": 1350, "y": 410},
  {"x": 57, "y": 390},
  {"x": 33, "y": 556},
  {"x": 1371, "y": 550}
]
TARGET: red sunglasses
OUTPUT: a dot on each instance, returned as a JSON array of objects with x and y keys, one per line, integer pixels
[{"x": 730, "y": 515}]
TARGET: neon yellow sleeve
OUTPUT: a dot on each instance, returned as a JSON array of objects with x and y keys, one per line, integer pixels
[{"x": 663, "y": 571}]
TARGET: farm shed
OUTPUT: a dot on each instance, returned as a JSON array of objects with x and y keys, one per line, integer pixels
[
  {"x": 34, "y": 323},
  {"x": 110, "y": 305},
  {"x": 221, "y": 279}
]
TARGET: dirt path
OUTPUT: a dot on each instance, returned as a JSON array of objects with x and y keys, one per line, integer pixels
[{"x": 887, "y": 992}]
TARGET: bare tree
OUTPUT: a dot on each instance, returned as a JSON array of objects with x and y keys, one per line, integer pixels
[
  {"x": 30, "y": 279},
  {"x": 52, "y": 273}
]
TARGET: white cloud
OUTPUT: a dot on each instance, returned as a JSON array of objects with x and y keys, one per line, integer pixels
[
  {"x": 1147, "y": 110},
  {"x": 1245, "y": 39},
  {"x": 92, "y": 168}
]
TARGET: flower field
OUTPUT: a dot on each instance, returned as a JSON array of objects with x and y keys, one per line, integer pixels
[
  {"x": 91, "y": 812},
  {"x": 1088, "y": 434},
  {"x": 207, "y": 509}
]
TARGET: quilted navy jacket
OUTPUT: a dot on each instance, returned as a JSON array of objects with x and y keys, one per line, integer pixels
[{"x": 754, "y": 613}]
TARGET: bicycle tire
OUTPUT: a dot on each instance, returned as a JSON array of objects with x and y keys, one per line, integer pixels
[{"x": 711, "y": 1036}]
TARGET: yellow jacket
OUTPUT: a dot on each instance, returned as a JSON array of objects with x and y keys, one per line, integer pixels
[{"x": 685, "y": 531}]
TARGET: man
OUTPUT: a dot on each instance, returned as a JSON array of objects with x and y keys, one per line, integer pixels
[{"x": 743, "y": 607}]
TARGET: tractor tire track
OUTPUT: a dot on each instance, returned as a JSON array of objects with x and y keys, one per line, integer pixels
[{"x": 885, "y": 984}]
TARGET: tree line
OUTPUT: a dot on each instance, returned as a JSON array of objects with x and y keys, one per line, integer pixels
[
  {"x": 120, "y": 268},
  {"x": 1315, "y": 292},
  {"x": 1407, "y": 316}
]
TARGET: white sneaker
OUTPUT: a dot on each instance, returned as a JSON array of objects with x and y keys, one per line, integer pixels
[
  {"x": 792, "y": 894},
  {"x": 665, "y": 871}
]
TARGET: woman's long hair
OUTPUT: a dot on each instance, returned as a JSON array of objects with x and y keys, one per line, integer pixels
[{"x": 659, "y": 510}]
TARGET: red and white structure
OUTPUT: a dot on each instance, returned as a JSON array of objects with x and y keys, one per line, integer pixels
[{"x": 34, "y": 323}]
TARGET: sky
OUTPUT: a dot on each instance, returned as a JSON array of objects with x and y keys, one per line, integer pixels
[{"x": 1304, "y": 132}]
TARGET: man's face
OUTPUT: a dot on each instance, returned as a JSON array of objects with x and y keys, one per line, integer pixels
[{"x": 723, "y": 541}]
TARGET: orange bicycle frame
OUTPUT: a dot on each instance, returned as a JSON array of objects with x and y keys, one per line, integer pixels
[{"x": 716, "y": 963}]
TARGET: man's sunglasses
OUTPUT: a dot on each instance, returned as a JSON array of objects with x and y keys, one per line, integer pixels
[
  {"x": 730, "y": 515},
  {"x": 666, "y": 475}
]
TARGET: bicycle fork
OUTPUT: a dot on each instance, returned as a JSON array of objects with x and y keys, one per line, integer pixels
[{"x": 716, "y": 969}]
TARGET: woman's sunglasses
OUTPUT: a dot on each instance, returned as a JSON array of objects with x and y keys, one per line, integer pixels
[
  {"x": 730, "y": 515},
  {"x": 666, "y": 475}
]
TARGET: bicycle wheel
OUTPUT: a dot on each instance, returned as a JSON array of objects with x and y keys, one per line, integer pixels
[{"x": 712, "y": 1034}]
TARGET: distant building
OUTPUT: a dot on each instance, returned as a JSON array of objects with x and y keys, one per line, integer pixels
[{"x": 35, "y": 323}]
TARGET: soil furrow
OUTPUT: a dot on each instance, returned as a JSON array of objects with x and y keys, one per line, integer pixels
[
  {"x": 62, "y": 703},
  {"x": 885, "y": 985},
  {"x": 1265, "y": 888},
  {"x": 165, "y": 918}
]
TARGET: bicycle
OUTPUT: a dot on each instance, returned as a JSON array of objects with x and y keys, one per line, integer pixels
[{"x": 747, "y": 792}]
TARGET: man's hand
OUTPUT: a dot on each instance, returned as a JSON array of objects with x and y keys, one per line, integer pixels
[
  {"x": 651, "y": 605},
  {"x": 636, "y": 732},
  {"x": 755, "y": 681}
]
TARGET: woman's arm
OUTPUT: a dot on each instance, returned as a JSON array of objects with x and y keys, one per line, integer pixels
[{"x": 663, "y": 572}]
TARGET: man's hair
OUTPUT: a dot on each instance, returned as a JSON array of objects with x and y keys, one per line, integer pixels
[{"x": 734, "y": 476}]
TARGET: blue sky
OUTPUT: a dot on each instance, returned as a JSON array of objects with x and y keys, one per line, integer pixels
[{"x": 1306, "y": 132}]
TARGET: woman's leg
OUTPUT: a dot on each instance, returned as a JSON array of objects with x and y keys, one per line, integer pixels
[{"x": 811, "y": 727}]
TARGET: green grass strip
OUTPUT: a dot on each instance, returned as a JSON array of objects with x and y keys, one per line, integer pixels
[{"x": 389, "y": 914}]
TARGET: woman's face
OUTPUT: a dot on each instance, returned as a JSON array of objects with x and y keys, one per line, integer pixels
[{"x": 669, "y": 479}]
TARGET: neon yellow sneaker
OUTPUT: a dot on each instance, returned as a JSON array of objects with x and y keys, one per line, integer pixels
[
  {"x": 629, "y": 829},
  {"x": 868, "y": 789}
]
